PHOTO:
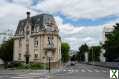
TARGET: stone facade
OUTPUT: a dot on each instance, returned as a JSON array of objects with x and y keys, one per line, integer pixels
[{"x": 35, "y": 37}]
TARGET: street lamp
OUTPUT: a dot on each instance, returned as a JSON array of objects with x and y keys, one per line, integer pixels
[
  {"x": 49, "y": 55},
  {"x": 44, "y": 63}
]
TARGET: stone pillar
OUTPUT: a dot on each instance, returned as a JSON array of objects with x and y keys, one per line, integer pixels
[
  {"x": 86, "y": 56},
  {"x": 102, "y": 58}
]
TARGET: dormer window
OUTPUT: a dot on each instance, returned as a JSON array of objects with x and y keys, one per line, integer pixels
[{"x": 36, "y": 28}]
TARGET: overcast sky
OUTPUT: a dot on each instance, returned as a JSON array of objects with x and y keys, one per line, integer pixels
[{"x": 79, "y": 21}]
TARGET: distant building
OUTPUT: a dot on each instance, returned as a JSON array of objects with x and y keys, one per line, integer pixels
[
  {"x": 106, "y": 31},
  {"x": 36, "y": 39}
]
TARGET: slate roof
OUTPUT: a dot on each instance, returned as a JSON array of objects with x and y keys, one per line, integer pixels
[{"x": 40, "y": 20}]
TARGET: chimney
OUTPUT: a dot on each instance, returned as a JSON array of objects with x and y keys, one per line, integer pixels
[{"x": 28, "y": 15}]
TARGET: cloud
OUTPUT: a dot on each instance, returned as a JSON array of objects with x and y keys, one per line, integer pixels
[
  {"x": 78, "y": 35},
  {"x": 80, "y": 8},
  {"x": 26, "y": 3},
  {"x": 11, "y": 13}
]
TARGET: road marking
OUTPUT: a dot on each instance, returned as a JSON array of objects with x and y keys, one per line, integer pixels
[
  {"x": 69, "y": 70},
  {"x": 76, "y": 70},
  {"x": 82, "y": 70},
  {"x": 89, "y": 70},
  {"x": 34, "y": 73},
  {"x": 96, "y": 70},
  {"x": 64, "y": 70},
  {"x": 19, "y": 77},
  {"x": 103, "y": 71}
]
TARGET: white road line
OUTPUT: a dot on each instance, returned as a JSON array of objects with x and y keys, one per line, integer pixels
[
  {"x": 76, "y": 70},
  {"x": 19, "y": 77},
  {"x": 34, "y": 73},
  {"x": 96, "y": 70},
  {"x": 64, "y": 70},
  {"x": 103, "y": 71},
  {"x": 82, "y": 70},
  {"x": 69, "y": 70},
  {"x": 89, "y": 70}
]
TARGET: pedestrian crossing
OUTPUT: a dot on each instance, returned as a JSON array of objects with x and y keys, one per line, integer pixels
[
  {"x": 44, "y": 75},
  {"x": 30, "y": 75},
  {"x": 82, "y": 70}
]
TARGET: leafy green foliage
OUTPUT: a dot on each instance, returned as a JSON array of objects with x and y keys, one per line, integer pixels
[
  {"x": 37, "y": 66},
  {"x": 81, "y": 53},
  {"x": 94, "y": 53},
  {"x": 6, "y": 51},
  {"x": 112, "y": 45},
  {"x": 30, "y": 66},
  {"x": 73, "y": 58},
  {"x": 65, "y": 52}
]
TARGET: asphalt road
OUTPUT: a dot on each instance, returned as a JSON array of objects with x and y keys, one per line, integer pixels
[
  {"x": 82, "y": 71},
  {"x": 79, "y": 71},
  {"x": 23, "y": 74}
]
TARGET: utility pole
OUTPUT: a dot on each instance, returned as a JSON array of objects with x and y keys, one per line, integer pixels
[{"x": 92, "y": 56}]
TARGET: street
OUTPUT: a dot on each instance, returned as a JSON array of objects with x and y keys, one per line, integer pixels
[
  {"x": 82, "y": 71},
  {"x": 79, "y": 71},
  {"x": 23, "y": 74}
]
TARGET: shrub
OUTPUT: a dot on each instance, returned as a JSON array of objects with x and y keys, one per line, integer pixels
[
  {"x": 14, "y": 64},
  {"x": 36, "y": 66}
]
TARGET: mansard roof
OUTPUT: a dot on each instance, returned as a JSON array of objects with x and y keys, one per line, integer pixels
[{"x": 35, "y": 21}]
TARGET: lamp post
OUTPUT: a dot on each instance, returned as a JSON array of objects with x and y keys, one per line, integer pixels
[
  {"x": 92, "y": 57},
  {"x": 49, "y": 54},
  {"x": 44, "y": 63}
]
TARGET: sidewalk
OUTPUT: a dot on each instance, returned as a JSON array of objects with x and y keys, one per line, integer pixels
[{"x": 112, "y": 65}]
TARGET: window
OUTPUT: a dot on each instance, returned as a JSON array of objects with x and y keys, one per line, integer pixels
[
  {"x": 35, "y": 53},
  {"x": 50, "y": 42},
  {"x": 19, "y": 56},
  {"x": 35, "y": 56},
  {"x": 35, "y": 42},
  {"x": 20, "y": 43}
]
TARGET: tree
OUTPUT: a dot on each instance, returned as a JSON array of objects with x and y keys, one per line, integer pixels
[
  {"x": 65, "y": 52},
  {"x": 6, "y": 51},
  {"x": 112, "y": 45},
  {"x": 94, "y": 53},
  {"x": 73, "y": 58},
  {"x": 81, "y": 53}
]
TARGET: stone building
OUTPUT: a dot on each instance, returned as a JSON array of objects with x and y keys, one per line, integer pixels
[
  {"x": 37, "y": 40},
  {"x": 106, "y": 31}
]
